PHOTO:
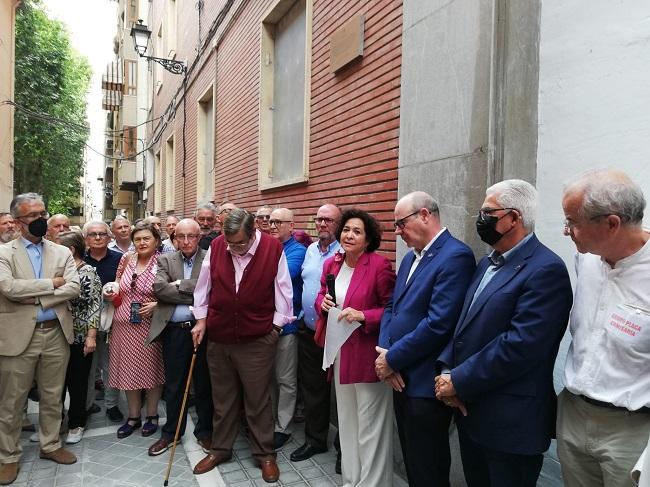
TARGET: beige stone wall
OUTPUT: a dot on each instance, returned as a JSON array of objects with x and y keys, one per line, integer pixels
[{"x": 7, "y": 38}]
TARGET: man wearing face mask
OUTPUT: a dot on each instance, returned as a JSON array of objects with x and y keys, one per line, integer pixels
[
  {"x": 37, "y": 278},
  {"x": 497, "y": 371}
]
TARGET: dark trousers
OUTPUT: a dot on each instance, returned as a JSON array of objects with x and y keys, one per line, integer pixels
[
  {"x": 315, "y": 389},
  {"x": 423, "y": 427},
  {"x": 177, "y": 356},
  {"x": 76, "y": 383},
  {"x": 243, "y": 373},
  {"x": 485, "y": 467}
]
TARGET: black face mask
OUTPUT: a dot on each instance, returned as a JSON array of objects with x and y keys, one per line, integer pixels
[
  {"x": 38, "y": 227},
  {"x": 486, "y": 228}
]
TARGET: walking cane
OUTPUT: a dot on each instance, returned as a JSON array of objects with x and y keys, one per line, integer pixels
[{"x": 180, "y": 417}]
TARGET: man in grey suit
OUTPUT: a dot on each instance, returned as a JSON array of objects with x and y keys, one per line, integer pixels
[
  {"x": 37, "y": 278},
  {"x": 173, "y": 321}
]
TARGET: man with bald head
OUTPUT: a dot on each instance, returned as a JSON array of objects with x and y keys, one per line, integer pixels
[
  {"x": 286, "y": 358},
  {"x": 417, "y": 324},
  {"x": 312, "y": 379},
  {"x": 173, "y": 321},
  {"x": 170, "y": 225},
  {"x": 155, "y": 221},
  {"x": 56, "y": 224}
]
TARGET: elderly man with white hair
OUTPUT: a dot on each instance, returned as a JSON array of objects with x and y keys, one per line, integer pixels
[
  {"x": 604, "y": 412},
  {"x": 56, "y": 224},
  {"x": 497, "y": 370},
  {"x": 105, "y": 261}
]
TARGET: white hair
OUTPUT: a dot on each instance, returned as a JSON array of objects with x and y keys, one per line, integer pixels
[
  {"x": 519, "y": 195},
  {"x": 87, "y": 225},
  {"x": 609, "y": 192}
]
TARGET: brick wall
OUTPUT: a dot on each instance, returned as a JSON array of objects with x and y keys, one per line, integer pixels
[{"x": 354, "y": 120}]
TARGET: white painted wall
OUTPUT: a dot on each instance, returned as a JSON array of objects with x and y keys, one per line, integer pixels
[{"x": 594, "y": 100}]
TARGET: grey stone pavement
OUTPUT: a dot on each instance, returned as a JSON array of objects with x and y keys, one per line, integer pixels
[{"x": 104, "y": 460}]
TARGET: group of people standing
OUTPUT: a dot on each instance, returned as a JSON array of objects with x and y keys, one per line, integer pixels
[{"x": 274, "y": 319}]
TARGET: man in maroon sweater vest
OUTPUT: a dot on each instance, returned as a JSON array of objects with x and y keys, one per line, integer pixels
[{"x": 242, "y": 299}]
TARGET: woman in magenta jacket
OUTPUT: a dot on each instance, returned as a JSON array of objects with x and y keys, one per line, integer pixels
[{"x": 364, "y": 284}]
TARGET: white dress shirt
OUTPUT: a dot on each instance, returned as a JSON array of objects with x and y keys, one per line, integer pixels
[
  {"x": 609, "y": 356},
  {"x": 418, "y": 255}
]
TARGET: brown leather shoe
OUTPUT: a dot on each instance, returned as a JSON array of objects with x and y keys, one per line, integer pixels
[
  {"x": 161, "y": 446},
  {"x": 270, "y": 470},
  {"x": 211, "y": 461},
  {"x": 205, "y": 444},
  {"x": 8, "y": 473},
  {"x": 61, "y": 455}
]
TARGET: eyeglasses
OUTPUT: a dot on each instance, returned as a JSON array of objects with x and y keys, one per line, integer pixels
[
  {"x": 242, "y": 245},
  {"x": 35, "y": 215},
  {"x": 277, "y": 223},
  {"x": 138, "y": 240},
  {"x": 182, "y": 237},
  {"x": 489, "y": 211},
  {"x": 134, "y": 276},
  {"x": 320, "y": 220},
  {"x": 570, "y": 225},
  {"x": 401, "y": 223},
  {"x": 263, "y": 217},
  {"x": 97, "y": 235}
]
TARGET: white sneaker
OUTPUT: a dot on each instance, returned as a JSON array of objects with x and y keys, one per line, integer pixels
[
  {"x": 74, "y": 435},
  {"x": 34, "y": 437}
]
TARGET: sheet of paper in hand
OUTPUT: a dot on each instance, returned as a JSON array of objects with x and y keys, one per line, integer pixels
[{"x": 337, "y": 334}]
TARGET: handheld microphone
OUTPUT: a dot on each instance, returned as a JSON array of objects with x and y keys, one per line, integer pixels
[{"x": 329, "y": 280}]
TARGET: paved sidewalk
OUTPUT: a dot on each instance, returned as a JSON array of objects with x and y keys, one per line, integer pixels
[{"x": 106, "y": 461}]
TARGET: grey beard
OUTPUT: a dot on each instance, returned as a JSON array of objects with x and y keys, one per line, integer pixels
[{"x": 9, "y": 236}]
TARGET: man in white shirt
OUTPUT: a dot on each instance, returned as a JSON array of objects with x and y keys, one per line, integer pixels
[
  {"x": 121, "y": 229},
  {"x": 604, "y": 412}
]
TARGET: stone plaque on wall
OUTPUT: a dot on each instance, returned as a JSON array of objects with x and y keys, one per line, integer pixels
[{"x": 346, "y": 44}]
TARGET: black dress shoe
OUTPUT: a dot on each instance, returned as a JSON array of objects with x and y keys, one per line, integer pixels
[
  {"x": 280, "y": 439},
  {"x": 306, "y": 451},
  {"x": 93, "y": 409},
  {"x": 114, "y": 414}
]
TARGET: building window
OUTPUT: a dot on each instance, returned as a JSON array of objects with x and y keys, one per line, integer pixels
[
  {"x": 131, "y": 13},
  {"x": 170, "y": 172},
  {"x": 205, "y": 147},
  {"x": 285, "y": 94},
  {"x": 157, "y": 201},
  {"x": 129, "y": 142},
  {"x": 130, "y": 77},
  {"x": 171, "y": 27},
  {"x": 158, "y": 69}
]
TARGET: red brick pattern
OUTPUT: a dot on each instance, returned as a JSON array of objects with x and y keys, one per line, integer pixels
[{"x": 354, "y": 122}]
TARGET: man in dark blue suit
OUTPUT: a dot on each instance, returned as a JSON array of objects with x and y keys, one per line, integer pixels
[
  {"x": 498, "y": 368},
  {"x": 417, "y": 324}
]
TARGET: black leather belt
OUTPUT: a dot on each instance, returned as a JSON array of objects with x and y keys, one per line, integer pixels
[
  {"x": 47, "y": 324},
  {"x": 183, "y": 325},
  {"x": 602, "y": 404}
]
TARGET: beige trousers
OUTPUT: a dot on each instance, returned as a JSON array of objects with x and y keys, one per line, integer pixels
[
  {"x": 46, "y": 359},
  {"x": 598, "y": 446},
  {"x": 285, "y": 388},
  {"x": 365, "y": 414}
]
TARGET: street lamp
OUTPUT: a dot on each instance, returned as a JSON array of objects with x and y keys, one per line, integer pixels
[{"x": 141, "y": 36}]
